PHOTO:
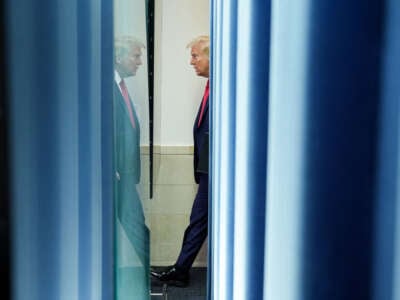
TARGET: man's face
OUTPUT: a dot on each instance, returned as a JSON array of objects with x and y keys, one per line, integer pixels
[
  {"x": 129, "y": 63},
  {"x": 199, "y": 60}
]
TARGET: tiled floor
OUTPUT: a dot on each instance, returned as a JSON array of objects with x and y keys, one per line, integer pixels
[{"x": 197, "y": 289}]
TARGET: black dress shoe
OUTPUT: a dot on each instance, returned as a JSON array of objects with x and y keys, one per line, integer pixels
[{"x": 172, "y": 276}]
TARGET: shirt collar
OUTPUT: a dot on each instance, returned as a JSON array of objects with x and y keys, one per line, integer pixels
[{"x": 117, "y": 78}]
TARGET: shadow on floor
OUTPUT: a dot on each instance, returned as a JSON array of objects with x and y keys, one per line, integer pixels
[{"x": 197, "y": 289}]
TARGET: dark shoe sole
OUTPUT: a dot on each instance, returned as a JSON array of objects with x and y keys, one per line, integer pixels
[{"x": 177, "y": 283}]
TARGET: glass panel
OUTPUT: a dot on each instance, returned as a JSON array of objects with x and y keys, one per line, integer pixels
[{"x": 131, "y": 140}]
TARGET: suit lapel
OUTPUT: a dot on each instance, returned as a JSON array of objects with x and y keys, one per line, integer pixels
[
  {"x": 122, "y": 104},
  {"x": 204, "y": 114}
]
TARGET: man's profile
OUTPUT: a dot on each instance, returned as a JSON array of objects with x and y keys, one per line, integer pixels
[
  {"x": 196, "y": 233},
  {"x": 130, "y": 217}
]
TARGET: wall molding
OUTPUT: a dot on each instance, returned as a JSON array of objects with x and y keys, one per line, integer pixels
[{"x": 168, "y": 150}]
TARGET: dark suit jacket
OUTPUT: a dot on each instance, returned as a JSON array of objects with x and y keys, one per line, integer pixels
[
  {"x": 201, "y": 136},
  {"x": 127, "y": 171},
  {"x": 127, "y": 140}
]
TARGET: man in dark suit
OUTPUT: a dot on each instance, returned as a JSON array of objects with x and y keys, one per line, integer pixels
[
  {"x": 196, "y": 232},
  {"x": 129, "y": 211}
]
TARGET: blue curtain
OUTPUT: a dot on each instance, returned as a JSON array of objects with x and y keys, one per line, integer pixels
[
  {"x": 60, "y": 76},
  {"x": 305, "y": 107},
  {"x": 386, "y": 265},
  {"x": 240, "y": 60}
]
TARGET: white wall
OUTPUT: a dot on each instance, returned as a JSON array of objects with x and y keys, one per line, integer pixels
[{"x": 177, "y": 88}]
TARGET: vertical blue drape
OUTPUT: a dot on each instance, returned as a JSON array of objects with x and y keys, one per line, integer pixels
[
  {"x": 60, "y": 75},
  {"x": 387, "y": 210},
  {"x": 333, "y": 204},
  {"x": 107, "y": 123},
  {"x": 222, "y": 233},
  {"x": 286, "y": 155},
  {"x": 343, "y": 104},
  {"x": 332, "y": 216},
  {"x": 239, "y": 116}
]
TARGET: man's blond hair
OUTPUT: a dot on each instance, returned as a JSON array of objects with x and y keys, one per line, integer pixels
[
  {"x": 124, "y": 44},
  {"x": 204, "y": 41}
]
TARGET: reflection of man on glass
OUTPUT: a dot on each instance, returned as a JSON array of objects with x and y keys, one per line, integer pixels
[{"x": 130, "y": 216}]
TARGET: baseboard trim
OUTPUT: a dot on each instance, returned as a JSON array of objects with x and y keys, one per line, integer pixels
[{"x": 168, "y": 150}]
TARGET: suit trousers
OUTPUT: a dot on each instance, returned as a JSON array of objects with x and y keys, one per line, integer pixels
[
  {"x": 131, "y": 216},
  {"x": 196, "y": 232}
]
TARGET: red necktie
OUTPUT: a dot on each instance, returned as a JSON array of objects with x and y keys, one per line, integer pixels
[
  {"x": 204, "y": 102},
  {"x": 125, "y": 94}
]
